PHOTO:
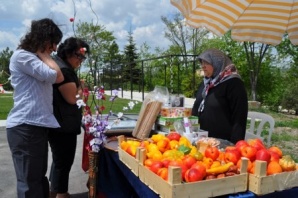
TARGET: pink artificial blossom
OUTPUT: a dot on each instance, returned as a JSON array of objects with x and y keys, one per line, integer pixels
[
  {"x": 97, "y": 125},
  {"x": 83, "y": 50}
]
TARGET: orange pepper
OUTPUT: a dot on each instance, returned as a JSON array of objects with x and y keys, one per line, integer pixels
[{"x": 208, "y": 162}]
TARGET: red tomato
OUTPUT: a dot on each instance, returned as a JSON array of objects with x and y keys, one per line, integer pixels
[
  {"x": 166, "y": 162},
  {"x": 232, "y": 156},
  {"x": 163, "y": 173},
  {"x": 198, "y": 165},
  {"x": 179, "y": 163},
  {"x": 193, "y": 174},
  {"x": 212, "y": 152},
  {"x": 174, "y": 136},
  {"x": 189, "y": 160},
  {"x": 263, "y": 155},
  {"x": 156, "y": 166}
]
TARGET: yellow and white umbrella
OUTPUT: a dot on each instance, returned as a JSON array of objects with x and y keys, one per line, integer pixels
[{"x": 264, "y": 21}]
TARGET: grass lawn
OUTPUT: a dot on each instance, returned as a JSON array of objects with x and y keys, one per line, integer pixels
[{"x": 6, "y": 103}]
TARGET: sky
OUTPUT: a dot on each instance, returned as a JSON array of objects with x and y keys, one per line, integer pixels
[{"x": 142, "y": 17}]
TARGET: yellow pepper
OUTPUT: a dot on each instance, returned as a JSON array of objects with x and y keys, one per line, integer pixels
[
  {"x": 219, "y": 169},
  {"x": 157, "y": 137},
  {"x": 173, "y": 154},
  {"x": 184, "y": 141},
  {"x": 287, "y": 163}
]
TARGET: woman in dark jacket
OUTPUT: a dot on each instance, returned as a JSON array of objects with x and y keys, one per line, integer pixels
[
  {"x": 221, "y": 101},
  {"x": 71, "y": 53}
]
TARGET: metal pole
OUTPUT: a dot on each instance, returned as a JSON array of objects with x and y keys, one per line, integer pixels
[
  {"x": 131, "y": 83},
  {"x": 143, "y": 97}
]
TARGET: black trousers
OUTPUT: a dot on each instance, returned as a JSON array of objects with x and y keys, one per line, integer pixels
[
  {"x": 63, "y": 147},
  {"x": 29, "y": 148}
]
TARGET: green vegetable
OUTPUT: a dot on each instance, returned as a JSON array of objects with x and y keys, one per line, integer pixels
[{"x": 184, "y": 149}]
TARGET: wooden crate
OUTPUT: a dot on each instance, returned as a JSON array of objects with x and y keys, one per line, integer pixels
[
  {"x": 174, "y": 188},
  {"x": 130, "y": 161},
  {"x": 260, "y": 184}
]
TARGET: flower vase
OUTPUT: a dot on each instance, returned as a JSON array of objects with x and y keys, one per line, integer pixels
[{"x": 93, "y": 169}]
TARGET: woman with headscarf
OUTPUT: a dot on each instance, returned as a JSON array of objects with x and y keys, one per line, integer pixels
[{"x": 221, "y": 101}]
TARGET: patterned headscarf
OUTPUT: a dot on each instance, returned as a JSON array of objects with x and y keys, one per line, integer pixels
[{"x": 224, "y": 69}]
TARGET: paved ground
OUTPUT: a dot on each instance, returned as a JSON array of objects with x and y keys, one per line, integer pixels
[{"x": 78, "y": 177}]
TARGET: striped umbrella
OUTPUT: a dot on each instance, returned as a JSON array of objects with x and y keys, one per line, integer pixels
[{"x": 264, "y": 21}]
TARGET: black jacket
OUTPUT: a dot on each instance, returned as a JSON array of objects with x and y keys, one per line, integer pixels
[
  {"x": 225, "y": 110},
  {"x": 69, "y": 116}
]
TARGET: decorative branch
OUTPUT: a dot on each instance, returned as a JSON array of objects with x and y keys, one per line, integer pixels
[{"x": 73, "y": 18}]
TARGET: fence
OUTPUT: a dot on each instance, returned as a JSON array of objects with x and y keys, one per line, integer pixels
[{"x": 177, "y": 72}]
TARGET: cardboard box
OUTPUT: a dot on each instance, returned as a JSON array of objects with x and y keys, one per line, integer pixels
[
  {"x": 147, "y": 118},
  {"x": 199, "y": 133},
  {"x": 196, "y": 135},
  {"x": 168, "y": 129},
  {"x": 174, "y": 112},
  {"x": 169, "y": 121},
  {"x": 165, "y": 129},
  {"x": 260, "y": 183}
]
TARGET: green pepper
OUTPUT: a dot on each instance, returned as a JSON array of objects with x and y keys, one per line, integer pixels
[{"x": 185, "y": 149}]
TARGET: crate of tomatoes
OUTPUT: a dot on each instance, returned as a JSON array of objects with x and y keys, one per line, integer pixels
[
  {"x": 269, "y": 169},
  {"x": 173, "y": 167}
]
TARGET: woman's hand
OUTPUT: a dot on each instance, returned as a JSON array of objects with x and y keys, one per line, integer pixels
[
  {"x": 80, "y": 92},
  {"x": 45, "y": 56}
]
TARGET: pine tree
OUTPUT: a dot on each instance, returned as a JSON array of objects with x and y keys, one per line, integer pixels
[{"x": 131, "y": 72}]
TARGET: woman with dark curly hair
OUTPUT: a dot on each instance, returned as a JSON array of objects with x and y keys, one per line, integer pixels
[
  {"x": 63, "y": 141},
  {"x": 33, "y": 72}
]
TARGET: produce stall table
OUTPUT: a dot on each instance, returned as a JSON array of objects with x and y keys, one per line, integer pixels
[{"x": 116, "y": 180}]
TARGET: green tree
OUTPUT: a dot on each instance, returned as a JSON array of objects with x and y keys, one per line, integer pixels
[
  {"x": 144, "y": 52},
  {"x": 186, "y": 42},
  {"x": 288, "y": 52},
  {"x": 103, "y": 48},
  {"x": 255, "y": 54},
  {"x": 290, "y": 99},
  {"x": 131, "y": 73},
  {"x": 186, "y": 39},
  {"x": 4, "y": 68},
  {"x": 112, "y": 68}
]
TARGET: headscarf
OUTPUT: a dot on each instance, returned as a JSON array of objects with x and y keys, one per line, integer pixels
[{"x": 224, "y": 69}]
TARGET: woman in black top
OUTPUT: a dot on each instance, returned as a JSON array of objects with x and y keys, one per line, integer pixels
[
  {"x": 221, "y": 101},
  {"x": 71, "y": 53}
]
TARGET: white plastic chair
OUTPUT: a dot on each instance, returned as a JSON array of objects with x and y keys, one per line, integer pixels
[{"x": 256, "y": 123}]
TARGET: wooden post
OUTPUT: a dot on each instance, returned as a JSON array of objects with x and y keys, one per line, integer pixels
[{"x": 93, "y": 171}]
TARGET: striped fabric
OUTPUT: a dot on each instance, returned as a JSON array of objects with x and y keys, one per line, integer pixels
[
  {"x": 264, "y": 21},
  {"x": 32, "y": 81}
]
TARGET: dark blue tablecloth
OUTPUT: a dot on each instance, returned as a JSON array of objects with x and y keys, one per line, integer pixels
[{"x": 115, "y": 180}]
